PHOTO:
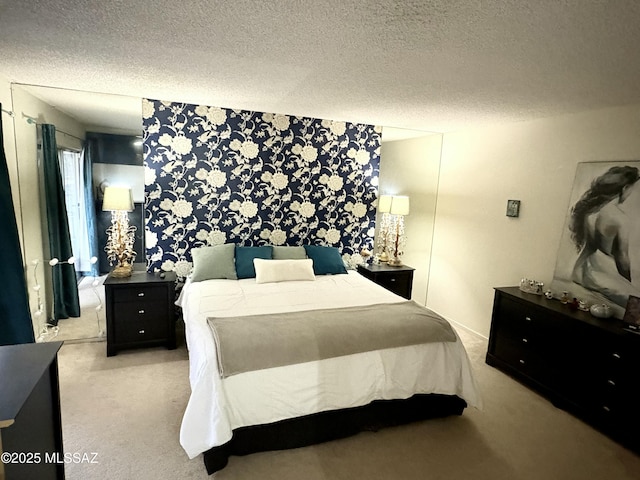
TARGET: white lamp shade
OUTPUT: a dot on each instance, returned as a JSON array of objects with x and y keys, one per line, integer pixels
[
  {"x": 117, "y": 198},
  {"x": 399, "y": 205},
  {"x": 384, "y": 204}
]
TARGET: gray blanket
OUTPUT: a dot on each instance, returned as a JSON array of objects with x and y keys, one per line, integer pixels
[{"x": 273, "y": 340}]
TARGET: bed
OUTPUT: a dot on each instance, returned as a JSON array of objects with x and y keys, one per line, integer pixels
[{"x": 295, "y": 405}]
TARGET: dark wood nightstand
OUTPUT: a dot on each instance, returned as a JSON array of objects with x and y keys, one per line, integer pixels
[
  {"x": 399, "y": 280},
  {"x": 140, "y": 311}
]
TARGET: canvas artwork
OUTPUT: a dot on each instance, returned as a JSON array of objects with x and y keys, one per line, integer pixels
[{"x": 599, "y": 255}]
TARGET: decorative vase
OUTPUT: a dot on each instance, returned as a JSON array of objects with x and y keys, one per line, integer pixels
[
  {"x": 573, "y": 304},
  {"x": 601, "y": 310}
]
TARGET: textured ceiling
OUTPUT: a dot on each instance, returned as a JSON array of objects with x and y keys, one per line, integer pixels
[{"x": 436, "y": 65}]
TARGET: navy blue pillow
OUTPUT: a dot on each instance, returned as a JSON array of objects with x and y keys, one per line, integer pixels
[
  {"x": 326, "y": 260},
  {"x": 245, "y": 256}
]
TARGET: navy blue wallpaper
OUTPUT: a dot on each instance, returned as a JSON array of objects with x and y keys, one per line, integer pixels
[{"x": 215, "y": 175}]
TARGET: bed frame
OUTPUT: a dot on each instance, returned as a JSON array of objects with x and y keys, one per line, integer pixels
[{"x": 324, "y": 426}]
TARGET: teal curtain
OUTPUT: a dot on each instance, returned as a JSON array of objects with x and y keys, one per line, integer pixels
[
  {"x": 65, "y": 287},
  {"x": 88, "y": 155},
  {"x": 15, "y": 318}
]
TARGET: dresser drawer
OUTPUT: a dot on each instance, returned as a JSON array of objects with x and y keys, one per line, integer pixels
[
  {"x": 525, "y": 359},
  {"x": 148, "y": 293},
  {"x": 623, "y": 361},
  {"x": 134, "y": 332},
  {"x": 611, "y": 407},
  {"x": 517, "y": 320},
  {"x": 396, "y": 282},
  {"x": 614, "y": 380},
  {"x": 141, "y": 312},
  {"x": 534, "y": 326}
]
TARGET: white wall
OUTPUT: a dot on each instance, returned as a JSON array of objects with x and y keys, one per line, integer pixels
[
  {"x": 410, "y": 167},
  {"x": 476, "y": 247}
]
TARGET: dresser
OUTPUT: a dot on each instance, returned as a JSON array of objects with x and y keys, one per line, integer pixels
[
  {"x": 140, "y": 311},
  {"x": 585, "y": 365},
  {"x": 399, "y": 280},
  {"x": 30, "y": 422}
]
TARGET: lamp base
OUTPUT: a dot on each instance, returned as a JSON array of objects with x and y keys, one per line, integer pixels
[
  {"x": 122, "y": 271},
  {"x": 394, "y": 262}
]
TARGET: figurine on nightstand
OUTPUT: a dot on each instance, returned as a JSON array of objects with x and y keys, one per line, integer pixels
[
  {"x": 531, "y": 286},
  {"x": 601, "y": 310},
  {"x": 366, "y": 255},
  {"x": 573, "y": 304}
]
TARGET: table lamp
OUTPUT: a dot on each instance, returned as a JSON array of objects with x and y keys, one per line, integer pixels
[
  {"x": 398, "y": 209},
  {"x": 121, "y": 235}
]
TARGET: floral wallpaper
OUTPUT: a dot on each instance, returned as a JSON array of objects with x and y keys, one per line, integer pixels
[{"x": 215, "y": 175}]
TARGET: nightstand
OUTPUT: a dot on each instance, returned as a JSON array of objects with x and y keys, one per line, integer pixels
[
  {"x": 399, "y": 280},
  {"x": 140, "y": 311}
]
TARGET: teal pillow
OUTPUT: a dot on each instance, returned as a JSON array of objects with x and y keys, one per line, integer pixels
[
  {"x": 289, "y": 253},
  {"x": 213, "y": 262},
  {"x": 245, "y": 256},
  {"x": 326, "y": 260}
]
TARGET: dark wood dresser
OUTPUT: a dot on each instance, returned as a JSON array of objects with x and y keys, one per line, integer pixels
[
  {"x": 399, "y": 280},
  {"x": 585, "y": 365},
  {"x": 140, "y": 311},
  {"x": 30, "y": 422}
]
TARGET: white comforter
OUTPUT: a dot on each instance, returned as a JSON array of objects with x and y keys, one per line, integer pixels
[{"x": 217, "y": 406}]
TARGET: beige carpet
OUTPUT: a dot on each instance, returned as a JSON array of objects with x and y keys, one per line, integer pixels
[
  {"x": 128, "y": 410},
  {"x": 91, "y": 324}
]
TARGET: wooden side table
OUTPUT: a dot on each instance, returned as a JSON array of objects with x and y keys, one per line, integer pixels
[
  {"x": 398, "y": 280},
  {"x": 140, "y": 311}
]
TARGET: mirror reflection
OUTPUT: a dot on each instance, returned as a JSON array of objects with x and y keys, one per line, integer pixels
[
  {"x": 410, "y": 167},
  {"x": 99, "y": 142}
]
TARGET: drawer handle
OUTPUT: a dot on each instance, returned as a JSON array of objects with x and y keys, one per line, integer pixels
[
  {"x": 528, "y": 319},
  {"x": 141, "y": 331},
  {"x": 611, "y": 382},
  {"x": 392, "y": 279},
  {"x": 521, "y": 361},
  {"x": 141, "y": 294},
  {"x": 141, "y": 311},
  {"x": 524, "y": 340},
  {"x": 605, "y": 408},
  {"x": 616, "y": 355}
]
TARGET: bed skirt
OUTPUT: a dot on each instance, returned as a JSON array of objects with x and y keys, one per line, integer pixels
[{"x": 330, "y": 425}]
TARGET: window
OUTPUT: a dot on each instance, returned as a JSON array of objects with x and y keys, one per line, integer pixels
[{"x": 71, "y": 169}]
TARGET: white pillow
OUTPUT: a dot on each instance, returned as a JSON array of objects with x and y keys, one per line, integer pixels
[{"x": 270, "y": 271}]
